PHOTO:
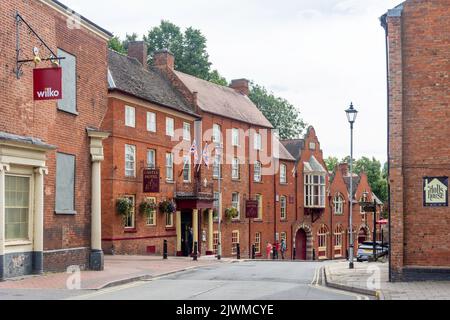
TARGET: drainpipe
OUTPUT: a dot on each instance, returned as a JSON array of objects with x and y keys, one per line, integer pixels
[{"x": 275, "y": 203}]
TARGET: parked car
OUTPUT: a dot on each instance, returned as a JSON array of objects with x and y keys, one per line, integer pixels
[{"x": 365, "y": 251}]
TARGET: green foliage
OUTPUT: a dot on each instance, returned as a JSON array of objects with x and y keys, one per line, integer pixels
[
  {"x": 147, "y": 207},
  {"x": 167, "y": 206},
  {"x": 331, "y": 163},
  {"x": 116, "y": 44},
  {"x": 231, "y": 213},
  {"x": 124, "y": 206},
  {"x": 281, "y": 114}
]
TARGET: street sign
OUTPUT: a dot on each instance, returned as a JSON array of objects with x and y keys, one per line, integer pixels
[
  {"x": 251, "y": 209},
  {"x": 151, "y": 181},
  {"x": 47, "y": 84}
]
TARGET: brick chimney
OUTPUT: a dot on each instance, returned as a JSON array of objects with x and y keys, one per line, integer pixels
[
  {"x": 241, "y": 85},
  {"x": 344, "y": 169},
  {"x": 163, "y": 59},
  {"x": 138, "y": 50}
]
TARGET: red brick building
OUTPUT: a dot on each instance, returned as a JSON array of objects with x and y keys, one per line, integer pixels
[
  {"x": 50, "y": 151},
  {"x": 417, "y": 38}
]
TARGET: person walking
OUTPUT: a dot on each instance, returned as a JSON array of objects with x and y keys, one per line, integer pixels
[
  {"x": 269, "y": 249},
  {"x": 277, "y": 249},
  {"x": 283, "y": 248}
]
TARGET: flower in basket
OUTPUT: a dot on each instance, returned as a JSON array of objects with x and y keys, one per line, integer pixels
[
  {"x": 167, "y": 207},
  {"x": 147, "y": 207},
  {"x": 124, "y": 206},
  {"x": 231, "y": 213}
]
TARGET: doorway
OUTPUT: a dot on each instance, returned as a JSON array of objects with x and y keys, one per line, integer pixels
[
  {"x": 187, "y": 237},
  {"x": 300, "y": 244}
]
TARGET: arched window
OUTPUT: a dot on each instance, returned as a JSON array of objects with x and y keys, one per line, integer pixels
[
  {"x": 338, "y": 241},
  {"x": 338, "y": 202},
  {"x": 322, "y": 236}
]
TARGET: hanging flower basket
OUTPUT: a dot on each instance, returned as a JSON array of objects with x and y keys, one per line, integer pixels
[
  {"x": 167, "y": 207},
  {"x": 231, "y": 213},
  {"x": 147, "y": 207},
  {"x": 124, "y": 206}
]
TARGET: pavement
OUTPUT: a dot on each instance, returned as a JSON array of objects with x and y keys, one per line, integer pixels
[
  {"x": 373, "y": 279},
  {"x": 118, "y": 270}
]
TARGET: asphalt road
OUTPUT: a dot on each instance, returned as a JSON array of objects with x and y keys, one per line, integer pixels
[{"x": 236, "y": 281}]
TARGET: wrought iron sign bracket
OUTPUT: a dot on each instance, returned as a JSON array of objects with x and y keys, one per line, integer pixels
[{"x": 21, "y": 61}]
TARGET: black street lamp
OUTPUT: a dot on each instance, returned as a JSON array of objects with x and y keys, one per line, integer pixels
[{"x": 352, "y": 113}]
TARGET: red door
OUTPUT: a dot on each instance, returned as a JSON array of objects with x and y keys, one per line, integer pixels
[{"x": 300, "y": 245}]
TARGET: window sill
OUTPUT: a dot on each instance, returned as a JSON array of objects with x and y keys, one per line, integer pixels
[
  {"x": 170, "y": 228},
  {"x": 130, "y": 230},
  {"x": 70, "y": 113},
  {"x": 258, "y": 182},
  {"x": 170, "y": 182},
  {"x": 65, "y": 213},
  {"x": 284, "y": 183},
  {"x": 150, "y": 226},
  {"x": 235, "y": 180},
  {"x": 18, "y": 243},
  {"x": 258, "y": 220}
]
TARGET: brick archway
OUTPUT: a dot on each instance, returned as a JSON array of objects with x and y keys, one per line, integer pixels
[{"x": 309, "y": 238}]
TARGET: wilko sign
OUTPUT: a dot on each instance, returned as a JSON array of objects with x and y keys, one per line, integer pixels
[
  {"x": 151, "y": 181},
  {"x": 47, "y": 84},
  {"x": 251, "y": 209},
  {"x": 435, "y": 191}
]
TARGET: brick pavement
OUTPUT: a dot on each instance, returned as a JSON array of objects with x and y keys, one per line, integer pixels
[
  {"x": 118, "y": 269},
  {"x": 365, "y": 277}
]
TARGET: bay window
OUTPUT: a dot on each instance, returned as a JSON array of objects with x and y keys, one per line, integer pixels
[{"x": 315, "y": 191}]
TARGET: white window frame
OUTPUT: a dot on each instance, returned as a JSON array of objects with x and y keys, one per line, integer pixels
[
  {"x": 258, "y": 238},
  {"x": 322, "y": 240},
  {"x": 338, "y": 204},
  {"x": 313, "y": 200},
  {"x": 169, "y": 167},
  {"x": 149, "y": 152},
  {"x": 234, "y": 242},
  {"x": 215, "y": 242},
  {"x": 170, "y": 127},
  {"x": 258, "y": 142},
  {"x": 169, "y": 220},
  {"x": 338, "y": 240},
  {"x": 283, "y": 208},
  {"x": 235, "y": 169},
  {"x": 235, "y": 137},
  {"x": 128, "y": 160},
  {"x": 217, "y": 133},
  {"x": 283, "y": 174},
  {"x": 260, "y": 199},
  {"x": 151, "y": 122},
  {"x": 130, "y": 116},
  {"x": 187, "y": 169},
  {"x": 153, "y": 215},
  {"x": 132, "y": 214},
  {"x": 217, "y": 167},
  {"x": 236, "y": 204},
  {"x": 217, "y": 205},
  {"x": 257, "y": 170},
  {"x": 186, "y": 131}
]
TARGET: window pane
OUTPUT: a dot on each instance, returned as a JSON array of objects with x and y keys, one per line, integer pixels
[
  {"x": 151, "y": 122},
  {"x": 17, "y": 207},
  {"x": 68, "y": 102},
  {"x": 65, "y": 183}
]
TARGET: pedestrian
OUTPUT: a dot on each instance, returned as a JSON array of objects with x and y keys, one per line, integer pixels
[
  {"x": 269, "y": 249},
  {"x": 190, "y": 241},
  {"x": 277, "y": 249},
  {"x": 283, "y": 248}
]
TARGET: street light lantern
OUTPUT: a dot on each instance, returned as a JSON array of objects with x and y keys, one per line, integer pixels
[{"x": 352, "y": 113}]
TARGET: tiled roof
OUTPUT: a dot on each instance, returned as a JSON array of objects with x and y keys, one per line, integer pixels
[
  {"x": 224, "y": 101},
  {"x": 4, "y": 136},
  {"x": 284, "y": 154},
  {"x": 314, "y": 166},
  {"x": 294, "y": 147},
  {"x": 129, "y": 76}
]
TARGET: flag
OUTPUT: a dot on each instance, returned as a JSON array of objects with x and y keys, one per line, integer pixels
[
  {"x": 294, "y": 172},
  {"x": 194, "y": 151},
  {"x": 205, "y": 156}
]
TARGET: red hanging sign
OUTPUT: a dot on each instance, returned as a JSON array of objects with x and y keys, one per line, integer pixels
[
  {"x": 47, "y": 84},
  {"x": 251, "y": 209},
  {"x": 151, "y": 181}
]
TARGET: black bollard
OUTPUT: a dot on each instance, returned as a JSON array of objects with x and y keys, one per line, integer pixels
[
  {"x": 294, "y": 254},
  {"x": 314, "y": 254},
  {"x": 165, "y": 255},
  {"x": 274, "y": 253},
  {"x": 195, "y": 255},
  {"x": 253, "y": 252},
  {"x": 238, "y": 251}
]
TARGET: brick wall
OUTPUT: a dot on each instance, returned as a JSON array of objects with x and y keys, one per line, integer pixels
[{"x": 22, "y": 116}]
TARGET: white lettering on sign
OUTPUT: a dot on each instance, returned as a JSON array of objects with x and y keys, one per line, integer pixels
[{"x": 48, "y": 93}]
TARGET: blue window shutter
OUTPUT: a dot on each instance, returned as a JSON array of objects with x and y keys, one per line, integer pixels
[{"x": 69, "y": 82}]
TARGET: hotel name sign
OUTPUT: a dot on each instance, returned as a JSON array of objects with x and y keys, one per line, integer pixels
[{"x": 435, "y": 191}]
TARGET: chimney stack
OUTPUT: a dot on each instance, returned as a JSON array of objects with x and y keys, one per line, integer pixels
[
  {"x": 164, "y": 59},
  {"x": 241, "y": 86},
  {"x": 138, "y": 50},
  {"x": 344, "y": 169}
]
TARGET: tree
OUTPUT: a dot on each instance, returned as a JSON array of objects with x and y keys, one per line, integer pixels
[
  {"x": 280, "y": 113},
  {"x": 116, "y": 44},
  {"x": 331, "y": 163}
]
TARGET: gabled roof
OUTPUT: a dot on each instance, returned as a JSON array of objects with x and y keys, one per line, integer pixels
[
  {"x": 224, "y": 101},
  {"x": 127, "y": 75},
  {"x": 294, "y": 147},
  {"x": 314, "y": 166},
  {"x": 284, "y": 154}
]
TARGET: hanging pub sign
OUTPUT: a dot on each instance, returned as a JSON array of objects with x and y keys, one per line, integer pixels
[
  {"x": 435, "y": 191},
  {"x": 251, "y": 209},
  {"x": 151, "y": 181},
  {"x": 47, "y": 84}
]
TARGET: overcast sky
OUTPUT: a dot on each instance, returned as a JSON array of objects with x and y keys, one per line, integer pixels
[{"x": 319, "y": 54}]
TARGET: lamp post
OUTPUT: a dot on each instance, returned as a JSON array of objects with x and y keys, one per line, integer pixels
[
  {"x": 219, "y": 148},
  {"x": 352, "y": 113}
]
